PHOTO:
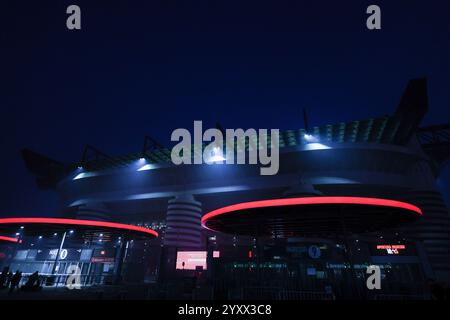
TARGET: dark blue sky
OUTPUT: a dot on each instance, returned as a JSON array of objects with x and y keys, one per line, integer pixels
[{"x": 148, "y": 67}]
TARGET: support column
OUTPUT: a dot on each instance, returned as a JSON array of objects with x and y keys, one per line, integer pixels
[
  {"x": 94, "y": 211},
  {"x": 183, "y": 231},
  {"x": 183, "y": 223}
]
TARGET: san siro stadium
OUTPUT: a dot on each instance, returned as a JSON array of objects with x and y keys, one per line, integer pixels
[{"x": 319, "y": 253}]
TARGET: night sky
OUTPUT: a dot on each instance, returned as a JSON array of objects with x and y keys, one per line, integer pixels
[{"x": 149, "y": 67}]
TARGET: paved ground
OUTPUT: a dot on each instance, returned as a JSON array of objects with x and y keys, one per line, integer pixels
[{"x": 91, "y": 293}]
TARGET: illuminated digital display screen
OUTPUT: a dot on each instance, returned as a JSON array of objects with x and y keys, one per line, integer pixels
[
  {"x": 64, "y": 254},
  {"x": 191, "y": 260},
  {"x": 391, "y": 249}
]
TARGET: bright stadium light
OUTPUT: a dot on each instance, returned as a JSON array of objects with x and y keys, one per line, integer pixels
[
  {"x": 316, "y": 146},
  {"x": 312, "y": 143},
  {"x": 216, "y": 156},
  {"x": 310, "y": 138},
  {"x": 146, "y": 167},
  {"x": 80, "y": 176},
  {"x": 83, "y": 175}
]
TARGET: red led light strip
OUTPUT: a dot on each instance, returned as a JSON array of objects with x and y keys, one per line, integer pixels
[
  {"x": 76, "y": 222},
  {"x": 10, "y": 239},
  {"x": 311, "y": 201}
]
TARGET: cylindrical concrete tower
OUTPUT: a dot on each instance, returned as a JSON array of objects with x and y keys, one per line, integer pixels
[
  {"x": 183, "y": 223},
  {"x": 93, "y": 211},
  {"x": 433, "y": 230}
]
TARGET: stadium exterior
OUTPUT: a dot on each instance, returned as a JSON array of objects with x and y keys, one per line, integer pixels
[{"x": 387, "y": 157}]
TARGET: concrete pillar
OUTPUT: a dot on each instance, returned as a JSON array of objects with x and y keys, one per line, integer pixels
[
  {"x": 183, "y": 223},
  {"x": 183, "y": 232},
  {"x": 94, "y": 211}
]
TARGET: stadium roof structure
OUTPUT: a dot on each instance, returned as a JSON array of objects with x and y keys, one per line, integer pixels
[
  {"x": 396, "y": 129},
  {"x": 310, "y": 216},
  {"x": 377, "y": 130}
]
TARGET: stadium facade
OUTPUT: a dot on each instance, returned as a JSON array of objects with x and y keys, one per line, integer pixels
[{"x": 388, "y": 157}]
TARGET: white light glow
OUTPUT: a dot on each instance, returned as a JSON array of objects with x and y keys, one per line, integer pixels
[
  {"x": 79, "y": 176},
  {"x": 146, "y": 167},
  {"x": 84, "y": 175},
  {"x": 216, "y": 156},
  {"x": 316, "y": 146},
  {"x": 310, "y": 138}
]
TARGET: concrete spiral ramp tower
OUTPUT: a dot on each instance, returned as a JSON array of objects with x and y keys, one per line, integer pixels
[{"x": 183, "y": 223}]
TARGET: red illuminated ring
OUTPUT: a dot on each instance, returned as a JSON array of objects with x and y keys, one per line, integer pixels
[
  {"x": 310, "y": 201},
  {"x": 76, "y": 222},
  {"x": 9, "y": 239}
]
